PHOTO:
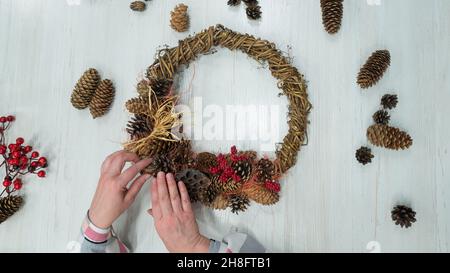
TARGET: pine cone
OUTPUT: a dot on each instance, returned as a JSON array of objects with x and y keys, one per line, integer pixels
[
  {"x": 225, "y": 187},
  {"x": 208, "y": 196},
  {"x": 139, "y": 127},
  {"x": 265, "y": 170},
  {"x": 204, "y": 161},
  {"x": 8, "y": 206},
  {"x": 179, "y": 18},
  {"x": 381, "y": 117},
  {"x": 196, "y": 183},
  {"x": 253, "y": 12},
  {"x": 103, "y": 99},
  {"x": 143, "y": 87},
  {"x": 251, "y": 2},
  {"x": 137, "y": 106},
  {"x": 389, "y": 101},
  {"x": 332, "y": 13},
  {"x": 243, "y": 169},
  {"x": 182, "y": 154},
  {"x": 157, "y": 147},
  {"x": 374, "y": 68},
  {"x": 364, "y": 155},
  {"x": 160, "y": 163},
  {"x": 239, "y": 203},
  {"x": 85, "y": 88},
  {"x": 221, "y": 202},
  {"x": 138, "y": 6},
  {"x": 261, "y": 195},
  {"x": 388, "y": 137},
  {"x": 161, "y": 87},
  {"x": 403, "y": 216},
  {"x": 234, "y": 2}
]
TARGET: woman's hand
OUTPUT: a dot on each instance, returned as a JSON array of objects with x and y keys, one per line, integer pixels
[
  {"x": 114, "y": 192},
  {"x": 174, "y": 219}
]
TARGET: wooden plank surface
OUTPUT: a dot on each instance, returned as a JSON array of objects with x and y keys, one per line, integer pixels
[{"x": 329, "y": 202}]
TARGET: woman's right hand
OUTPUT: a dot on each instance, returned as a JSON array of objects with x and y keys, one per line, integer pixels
[{"x": 173, "y": 216}]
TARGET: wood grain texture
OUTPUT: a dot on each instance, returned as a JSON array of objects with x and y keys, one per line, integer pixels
[{"x": 329, "y": 202}]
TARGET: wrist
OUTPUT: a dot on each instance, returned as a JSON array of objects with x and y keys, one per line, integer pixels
[
  {"x": 202, "y": 245},
  {"x": 96, "y": 221}
]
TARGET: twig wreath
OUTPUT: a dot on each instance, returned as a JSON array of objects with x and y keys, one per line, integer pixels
[{"x": 223, "y": 180}]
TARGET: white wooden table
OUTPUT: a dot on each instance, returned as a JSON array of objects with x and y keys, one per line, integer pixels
[{"x": 329, "y": 202}]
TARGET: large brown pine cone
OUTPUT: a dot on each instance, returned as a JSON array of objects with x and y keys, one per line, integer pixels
[
  {"x": 85, "y": 88},
  {"x": 261, "y": 195},
  {"x": 374, "y": 69},
  {"x": 389, "y": 137},
  {"x": 332, "y": 13},
  {"x": 8, "y": 206},
  {"x": 103, "y": 99}
]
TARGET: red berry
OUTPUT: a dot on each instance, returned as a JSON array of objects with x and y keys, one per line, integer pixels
[
  {"x": 24, "y": 167},
  {"x": 17, "y": 186},
  {"x": 16, "y": 154},
  {"x": 6, "y": 183},
  {"x": 27, "y": 149},
  {"x": 42, "y": 161},
  {"x": 20, "y": 140},
  {"x": 10, "y": 118},
  {"x": 23, "y": 160},
  {"x": 2, "y": 119},
  {"x": 233, "y": 150},
  {"x": 14, "y": 161},
  {"x": 34, "y": 154},
  {"x": 34, "y": 164},
  {"x": 41, "y": 174},
  {"x": 12, "y": 147}
]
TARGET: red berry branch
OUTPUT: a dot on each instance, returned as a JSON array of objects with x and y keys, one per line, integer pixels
[
  {"x": 224, "y": 168},
  {"x": 18, "y": 159}
]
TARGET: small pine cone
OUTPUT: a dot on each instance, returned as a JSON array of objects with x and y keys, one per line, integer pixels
[
  {"x": 389, "y": 137},
  {"x": 160, "y": 163},
  {"x": 364, "y": 155},
  {"x": 389, "y": 101},
  {"x": 239, "y": 203},
  {"x": 138, "y": 6},
  {"x": 221, "y": 202},
  {"x": 403, "y": 216},
  {"x": 381, "y": 117},
  {"x": 103, "y": 99},
  {"x": 332, "y": 13},
  {"x": 143, "y": 87},
  {"x": 85, "y": 88},
  {"x": 265, "y": 170},
  {"x": 8, "y": 206},
  {"x": 179, "y": 18},
  {"x": 208, "y": 196},
  {"x": 243, "y": 169},
  {"x": 157, "y": 147},
  {"x": 253, "y": 12},
  {"x": 261, "y": 195},
  {"x": 374, "y": 68},
  {"x": 196, "y": 183},
  {"x": 161, "y": 88},
  {"x": 204, "y": 161},
  {"x": 139, "y": 127},
  {"x": 251, "y": 2},
  {"x": 234, "y": 2},
  {"x": 137, "y": 106}
]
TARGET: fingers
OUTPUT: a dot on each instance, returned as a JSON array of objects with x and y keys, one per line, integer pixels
[
  {"x": 163, "y": 194},
  {"x": 136, "y": 187},
  {"x": 173, "y": 192},
  {"x": 132, "y": 171},
  {"x": 156, "y": 209},
  {"x": 115, "y": 162},
  {"x": 185, "y": 201}
]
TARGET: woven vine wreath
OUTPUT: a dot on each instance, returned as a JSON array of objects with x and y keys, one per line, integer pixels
[{"x": 223, "y": 180}]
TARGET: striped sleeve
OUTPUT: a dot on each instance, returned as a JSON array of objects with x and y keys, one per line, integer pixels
[{"x": 97, "y": 240}]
